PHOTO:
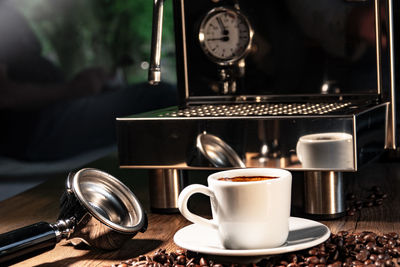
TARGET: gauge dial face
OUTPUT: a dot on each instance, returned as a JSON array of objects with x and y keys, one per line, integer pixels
[{"x": 225, "y": 35}]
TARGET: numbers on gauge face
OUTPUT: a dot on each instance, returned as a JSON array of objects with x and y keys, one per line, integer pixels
[{"x": 225, "y": 35}]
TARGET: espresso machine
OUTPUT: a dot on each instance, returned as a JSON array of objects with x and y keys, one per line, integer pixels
[{"x": 299, "y": 85}]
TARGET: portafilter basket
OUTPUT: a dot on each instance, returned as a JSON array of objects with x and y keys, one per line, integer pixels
[{"x": 96, "y": 208}]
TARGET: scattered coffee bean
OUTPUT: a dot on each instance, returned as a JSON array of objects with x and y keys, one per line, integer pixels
[
  {"x": 365, "y": 249},
  {"x": 202, "y": 262},
  {"x": 355, "y": 203},
  {"x": 362, "y": 255},
  {"x": 181, "y": 259}
]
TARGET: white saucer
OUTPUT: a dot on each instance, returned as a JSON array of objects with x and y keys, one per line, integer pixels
[{"x": 303, "y": 233}]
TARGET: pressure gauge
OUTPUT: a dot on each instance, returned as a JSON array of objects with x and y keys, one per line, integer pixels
[{"x": 225, "y": 35}]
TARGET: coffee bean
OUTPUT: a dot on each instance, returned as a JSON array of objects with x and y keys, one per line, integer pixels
[
  {"x": 362, "y": 255},
  {"x": 393, "y": 235},
  {"x": 373, "y": 257},
  {"x": 359, "y": 238},
  {"x": 351, "y": 213},
  {"x": 203, "y": 262},
  {"x": 357, "y": 263},
  {"x": 350, "y": 241},
  {"x": 379, "y": 263},
  {"x": 180, "y": 251},
  {"x": 129, "y": 262},
  {"x": 389, "y": 262},
  {"x": 335, "y": 256},
  {"x": 191, "y": 261},
  {"x": 293, "y": 258},
  {"x": 356, "y": 203},
  {"x": 383, "y": 196},
  {"x": 391, "y": 243},
  {"x": 348, "y": 261},
  {"x": 340, "y": 242},
  {"x": 381, "y": 240},
  {"x": 359, "y": 205},
  {"x": 379, "y": 250},
  {"x": 142, "y": 258},
  {"x": 313, "y": 252},
  {"x": 331, "y": 247},
  {"x": 395, "y": 252},
  {"x": 367, "y": 262},
  {"x": 370, "y": 246},
  {"x": 370, "y": 237},
  {"x": 340, "y": 250},
  {"x": 358, "y": 247},
  {"x": 181, "y": 259},
  {"x": 369, "y": 203},
  {"x": 335, "y": 264},
  {"x": 312, "y": 260},
  {"x": 159, "y": 257},
  {"x": 383, "y": 256}
]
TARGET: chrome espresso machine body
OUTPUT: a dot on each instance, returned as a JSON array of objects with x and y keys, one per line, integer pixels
[{"x": 290, "y": 84}]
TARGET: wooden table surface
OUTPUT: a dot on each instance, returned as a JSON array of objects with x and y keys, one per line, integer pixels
[{"x": 41, "y": 204}]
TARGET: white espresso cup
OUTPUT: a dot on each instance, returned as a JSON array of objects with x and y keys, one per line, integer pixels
[
  {"x": 246, "y": 214},
  {"x": 331, "y": 150}
]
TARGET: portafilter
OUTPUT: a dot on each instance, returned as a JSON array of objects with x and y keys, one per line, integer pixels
[{"x": 96, "y": 208}]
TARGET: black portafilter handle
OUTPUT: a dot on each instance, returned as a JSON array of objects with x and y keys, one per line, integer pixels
[{"x": 29, "y": 241}]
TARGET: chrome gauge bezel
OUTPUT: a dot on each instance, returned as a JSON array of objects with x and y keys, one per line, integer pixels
[{"x": 201, "y": 36}]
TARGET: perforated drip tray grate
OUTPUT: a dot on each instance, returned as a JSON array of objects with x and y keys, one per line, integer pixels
[{"x": 259, "y": 109}]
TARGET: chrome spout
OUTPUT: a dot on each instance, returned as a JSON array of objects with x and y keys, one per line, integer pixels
[{"x": 156, "y": 39}]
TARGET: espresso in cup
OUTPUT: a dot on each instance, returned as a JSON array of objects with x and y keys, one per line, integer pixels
[
  {"x": 250, "y": 207},
  {"x": 246, "y": 178}
]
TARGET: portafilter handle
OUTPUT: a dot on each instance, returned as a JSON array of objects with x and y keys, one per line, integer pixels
[
  {"x": 32, "y": 240},
  {"x": 156, "y": 40},
  {"x": 96, "y": 208}
]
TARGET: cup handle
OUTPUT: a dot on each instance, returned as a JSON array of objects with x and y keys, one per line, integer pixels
[{"x": 183, "y": 198}]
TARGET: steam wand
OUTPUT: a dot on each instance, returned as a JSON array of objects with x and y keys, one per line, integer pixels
[{"x": 156, "y": 39}]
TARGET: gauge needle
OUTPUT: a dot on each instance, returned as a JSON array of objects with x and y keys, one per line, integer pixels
[
  {"x": 221, "y": 25},
  {"x": 224, "y": 38}
]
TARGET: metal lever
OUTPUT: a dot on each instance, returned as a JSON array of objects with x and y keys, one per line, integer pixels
[{"x": 156, "y": 38}]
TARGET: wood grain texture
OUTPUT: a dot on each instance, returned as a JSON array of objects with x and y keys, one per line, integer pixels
[{"x": 41, "y": 204}]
